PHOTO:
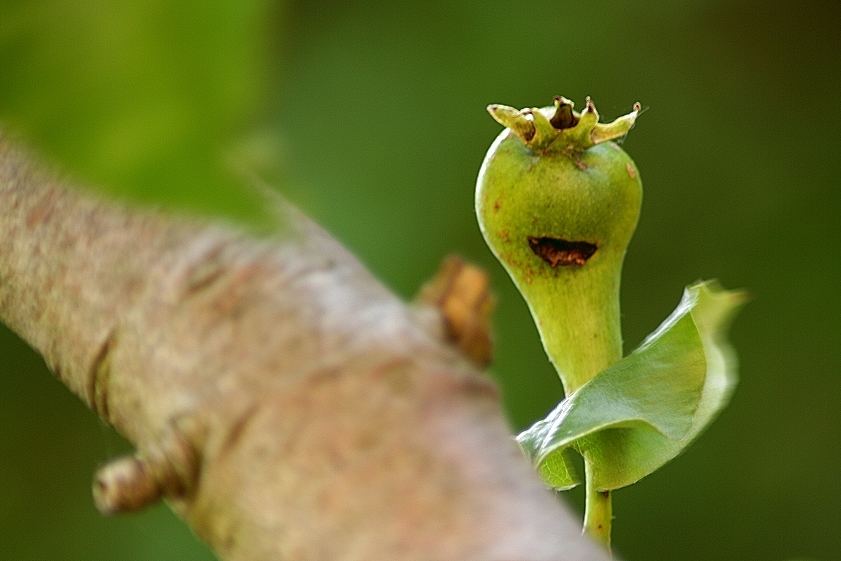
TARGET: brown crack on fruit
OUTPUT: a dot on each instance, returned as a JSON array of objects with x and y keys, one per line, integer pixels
[{"x": 564, "y": 253}]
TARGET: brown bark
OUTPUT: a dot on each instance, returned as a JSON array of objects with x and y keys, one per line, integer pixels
[{"x": 286, "y": 404}]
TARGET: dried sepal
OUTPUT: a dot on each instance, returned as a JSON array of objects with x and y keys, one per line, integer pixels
[
  {"x": 513, "y": 119},
  {"x": 564, "y": 117},
  {"x": 616, "y": 129},
  {"x": 544, "y": 132},
  {"x": 561, "y": 127}
]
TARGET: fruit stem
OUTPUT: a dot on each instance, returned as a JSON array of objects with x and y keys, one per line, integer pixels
[
  {"x": 598, "y": 513},
  {"x": 580, "y": 326}
]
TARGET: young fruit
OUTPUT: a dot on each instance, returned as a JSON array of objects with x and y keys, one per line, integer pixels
[{"x": 557, "y": 203}]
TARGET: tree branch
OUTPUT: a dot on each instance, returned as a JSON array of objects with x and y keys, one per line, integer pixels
[{"x": 286, "y": 404}]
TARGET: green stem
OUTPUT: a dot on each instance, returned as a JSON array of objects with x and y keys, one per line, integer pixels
[
  {"x": 598, "y": 514},
  {"x": 578, "y": 318},
  {"x": 582, "y": 335}
]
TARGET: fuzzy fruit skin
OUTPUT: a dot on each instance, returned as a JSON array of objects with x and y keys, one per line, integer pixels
[{"x": 577, "y": 194}]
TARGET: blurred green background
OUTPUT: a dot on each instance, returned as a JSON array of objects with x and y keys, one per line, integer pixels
[{"x": 379, "y": 107}]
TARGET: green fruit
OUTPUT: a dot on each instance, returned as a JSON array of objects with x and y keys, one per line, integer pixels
[{"x": 557, "y": 203}]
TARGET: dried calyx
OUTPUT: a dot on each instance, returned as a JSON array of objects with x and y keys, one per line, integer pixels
[{"x": 561, "y": 126}]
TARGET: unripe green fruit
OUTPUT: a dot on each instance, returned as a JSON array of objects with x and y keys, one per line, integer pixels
[{"x": 557, "y": 203}]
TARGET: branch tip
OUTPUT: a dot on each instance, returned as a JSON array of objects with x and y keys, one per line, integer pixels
[
  {"x": 125, "y": 485},
  {"x": 167, "y": 469},
  {"x": 460, "y": 292}
]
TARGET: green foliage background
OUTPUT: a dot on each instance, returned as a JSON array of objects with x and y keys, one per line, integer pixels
[{"x": 380, "y": 111}]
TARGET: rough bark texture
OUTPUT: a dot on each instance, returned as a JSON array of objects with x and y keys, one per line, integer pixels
[{"x": 286, "y": 403}]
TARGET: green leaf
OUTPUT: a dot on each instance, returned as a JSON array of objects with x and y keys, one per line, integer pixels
[
  {"x": 645, "y": 409},
  {"x": 140, "y": 99},
  {"x": 560, "y": 469}
]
